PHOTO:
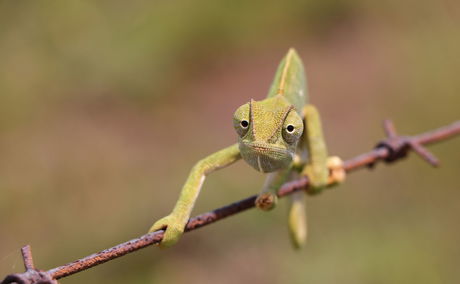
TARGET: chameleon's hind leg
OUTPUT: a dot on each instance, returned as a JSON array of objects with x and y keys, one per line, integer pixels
[
  {"x": 267, "y": 198},
  {"x": 321, "y": 169}
]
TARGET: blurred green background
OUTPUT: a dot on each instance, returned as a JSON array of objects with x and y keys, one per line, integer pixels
[{"x": 106, "y": 105}]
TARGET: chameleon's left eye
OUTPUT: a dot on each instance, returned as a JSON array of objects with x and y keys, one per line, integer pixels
[{"x": 241, "y": 120}]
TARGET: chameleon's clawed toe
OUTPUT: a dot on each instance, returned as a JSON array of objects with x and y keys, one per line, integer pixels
[
  {"x": 266, "y": 201},
  {"x": 337, "y": 172}
]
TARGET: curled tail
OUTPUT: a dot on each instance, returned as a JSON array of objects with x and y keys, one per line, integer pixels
[{"x": 298, "y": 220}]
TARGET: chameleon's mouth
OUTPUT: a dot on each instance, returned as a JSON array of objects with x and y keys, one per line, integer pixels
[{"x": 265, "y": 157}]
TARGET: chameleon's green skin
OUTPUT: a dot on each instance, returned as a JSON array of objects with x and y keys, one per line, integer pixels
[{"x": 280, "y": 135}]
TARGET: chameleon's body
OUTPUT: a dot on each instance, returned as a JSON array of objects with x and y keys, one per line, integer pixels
[{"x": 280, "y": 135}]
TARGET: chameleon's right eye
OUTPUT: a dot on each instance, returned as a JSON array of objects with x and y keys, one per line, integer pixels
[{"x": 241, "y": 120}]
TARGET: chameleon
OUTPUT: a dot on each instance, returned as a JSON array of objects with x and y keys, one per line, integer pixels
[{"x": 281, "y": 136}]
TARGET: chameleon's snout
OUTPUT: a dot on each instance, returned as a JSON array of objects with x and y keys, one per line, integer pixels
[{"x": 265, "y": 157}]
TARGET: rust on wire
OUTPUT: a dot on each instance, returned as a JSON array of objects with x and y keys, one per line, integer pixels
[
  {"x": 389, "y": 150},
  {"x": 106, "y": 255}
]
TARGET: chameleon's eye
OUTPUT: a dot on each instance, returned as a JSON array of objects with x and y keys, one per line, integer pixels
[
  {"x": 241, "y": 120},
  {"x": 293, "y": 127}
]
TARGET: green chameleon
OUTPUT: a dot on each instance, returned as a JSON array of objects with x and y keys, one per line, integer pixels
[{"x": 280, "y": 135}]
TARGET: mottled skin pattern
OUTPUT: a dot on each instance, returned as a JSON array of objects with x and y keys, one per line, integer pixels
[{"x": 281, "y": 136}]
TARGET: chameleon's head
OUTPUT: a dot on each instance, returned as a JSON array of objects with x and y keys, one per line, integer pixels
[{"x": 268, "y": 133}]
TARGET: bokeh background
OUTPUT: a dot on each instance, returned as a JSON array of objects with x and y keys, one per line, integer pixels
[{"x": 106, "y": 105}]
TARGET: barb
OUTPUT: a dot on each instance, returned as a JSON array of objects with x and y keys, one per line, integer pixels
[
  {"x": 389, "y": 150},
  {"x": 400, "y": 145},
  {"x": 27, "y": 257},
  {"x": 32, "y": 275}
]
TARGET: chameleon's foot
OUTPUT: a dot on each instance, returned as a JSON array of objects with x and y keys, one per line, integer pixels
[
  {"x": 336, "y": 171},
  {"x": 318, "y": 177},
  {"x": 266, "y": 201},
  {"x": 174, "y": 228},
  {"x": 321, "y": 177}
]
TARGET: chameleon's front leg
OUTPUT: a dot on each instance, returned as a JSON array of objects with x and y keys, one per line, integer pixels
[
  {"x": 174, "y": 223},
  {"x": 321, "y": 169}
]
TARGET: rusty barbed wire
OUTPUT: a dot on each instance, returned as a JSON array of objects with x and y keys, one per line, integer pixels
[{"x": 392, "y": 149}]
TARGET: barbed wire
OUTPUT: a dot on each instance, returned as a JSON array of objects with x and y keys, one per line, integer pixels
[{"x": 392, "y": 149}]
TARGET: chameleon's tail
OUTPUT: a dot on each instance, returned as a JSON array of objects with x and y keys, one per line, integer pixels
[{"x": 298, "y": 220}]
